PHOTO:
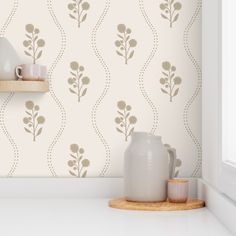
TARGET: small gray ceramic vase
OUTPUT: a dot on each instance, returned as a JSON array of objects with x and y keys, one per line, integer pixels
[{"x": 147, "y": 168}]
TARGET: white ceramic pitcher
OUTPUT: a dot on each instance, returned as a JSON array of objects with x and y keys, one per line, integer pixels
[
  {"x": 8, "y": 60},
  {"x": 147, "y": 168}
]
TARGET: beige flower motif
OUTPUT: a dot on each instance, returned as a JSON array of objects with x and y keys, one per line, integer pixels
[
  {"x": 125, "y": 45},
  {"x": 124, "y": 120},
  {"x": 78, "y": 164},
  {"x": 78, "y": 11},
  {"x": 33, "y": 43},
  {"x": 78, "y": 81},
  {"x": 33, "y": 121},
  {"x": 170, "y": 10},
  {"x": 74, "y": 148},
  {"x": 169, "y": 81}
]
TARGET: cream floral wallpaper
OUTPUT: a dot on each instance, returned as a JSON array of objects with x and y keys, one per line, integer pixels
[{"x": 113, "y": 67}]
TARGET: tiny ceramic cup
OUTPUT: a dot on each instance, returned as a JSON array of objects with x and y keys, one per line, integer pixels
[
  {"x": 31, "y": 72},
  {"x": 177, "y": 190}
]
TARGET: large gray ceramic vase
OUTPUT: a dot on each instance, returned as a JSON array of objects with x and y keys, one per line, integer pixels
[{"x": 148, "y": 164}]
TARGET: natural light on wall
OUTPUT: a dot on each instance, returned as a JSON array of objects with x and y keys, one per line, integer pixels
[{"x": 229, "y": 81}]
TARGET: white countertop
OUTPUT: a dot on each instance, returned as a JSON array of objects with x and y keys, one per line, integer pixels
[{"x": 92, "y": 217}]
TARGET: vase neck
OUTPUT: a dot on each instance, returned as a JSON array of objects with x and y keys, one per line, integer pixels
[{"x": 145, "y": 137}]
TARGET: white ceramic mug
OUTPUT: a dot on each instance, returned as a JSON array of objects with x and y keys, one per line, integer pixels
[{"x": 31, "y": 72}]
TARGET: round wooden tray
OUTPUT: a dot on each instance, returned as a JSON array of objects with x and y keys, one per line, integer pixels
[{"x": 121, "y": 203}]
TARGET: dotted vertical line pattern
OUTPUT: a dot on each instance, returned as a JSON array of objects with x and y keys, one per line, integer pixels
[
  {"x": 146, "y": 64},
  {"x": 9, "y": 18},
  {"x": 8, "y": 99},
  {"x": 52, "y": 93},
  {"x": 197, "y": 168},
  {"x": 105, "y": 90},
  {"x": 11, "y": 140}
]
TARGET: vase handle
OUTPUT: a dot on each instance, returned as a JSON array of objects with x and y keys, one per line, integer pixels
[{"x": 172, "y": 163}]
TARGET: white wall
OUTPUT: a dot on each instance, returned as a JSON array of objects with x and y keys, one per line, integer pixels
[{"x": 211, "y": 85}]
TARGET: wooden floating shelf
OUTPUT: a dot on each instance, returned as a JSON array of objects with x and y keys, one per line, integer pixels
[
  {"x": 121, "y": 203},
  {"x": 24, "y": 86}
]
